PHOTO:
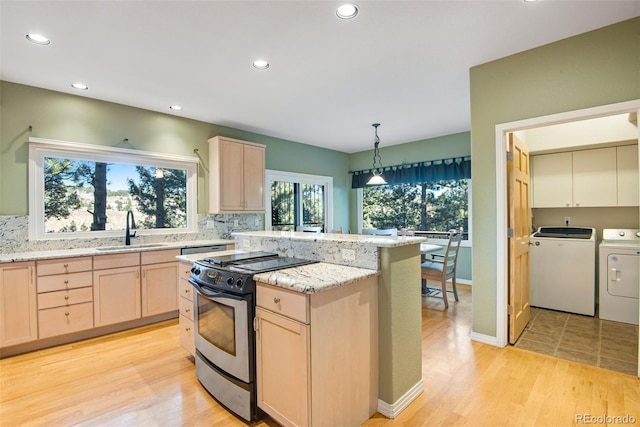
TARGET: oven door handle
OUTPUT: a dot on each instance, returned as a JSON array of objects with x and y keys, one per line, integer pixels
[{"x": 211, "y": 294}]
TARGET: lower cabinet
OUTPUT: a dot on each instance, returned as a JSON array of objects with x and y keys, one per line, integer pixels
[
  {"x": 317, "y": 354},
  {"x": 65, "y": 296},
  {"x": 159, "y": 290},
  {"x": 69, "y": 297},
  {"x": 284, "y": 366},
  {"x": 18, "y": 309},
  {"x": 117, "y": 295},
  {"x": 185, "y": 306}
]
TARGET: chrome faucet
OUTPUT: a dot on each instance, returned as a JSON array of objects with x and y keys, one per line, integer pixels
[{"x": 128, "y": 235}]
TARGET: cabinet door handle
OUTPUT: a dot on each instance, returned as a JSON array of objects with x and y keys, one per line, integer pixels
[
  {"x": 188, "y": 310},
  {"x": 276, "y": 300},
  {"x": 66, "y": 297},
  {"x": 66, "y": 313}
]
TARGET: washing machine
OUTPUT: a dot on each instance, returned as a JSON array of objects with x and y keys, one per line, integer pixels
[
  {"x": 619, "y": 282},
  {"x": 563, "y": 269}
]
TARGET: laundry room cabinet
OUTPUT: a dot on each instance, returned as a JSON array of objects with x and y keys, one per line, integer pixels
[
  {"x": 628, "y": 191},
  {"x": 594, "y": 178},
  {"x": 602, "y": 177}
]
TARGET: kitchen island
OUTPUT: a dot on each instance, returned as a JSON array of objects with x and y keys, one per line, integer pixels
[{"x": 397, "y": 261}]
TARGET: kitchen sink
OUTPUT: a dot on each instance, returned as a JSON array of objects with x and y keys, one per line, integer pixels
[{"x": 131, "y": 247}]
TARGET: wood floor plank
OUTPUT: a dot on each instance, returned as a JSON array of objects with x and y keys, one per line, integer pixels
[{"x": 143, "y": 377}]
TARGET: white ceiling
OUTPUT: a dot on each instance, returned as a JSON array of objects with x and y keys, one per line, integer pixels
[{"x": 404, "y": 64}]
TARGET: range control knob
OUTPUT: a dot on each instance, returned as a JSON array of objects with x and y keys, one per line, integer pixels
[
  {"x": 637, "y": 233},
  {"x": 195, "y": 271},
  {"x": 230, "y": 281},
  {"x": 621, "y": 233},
  {"x": 239, "y": 283}
]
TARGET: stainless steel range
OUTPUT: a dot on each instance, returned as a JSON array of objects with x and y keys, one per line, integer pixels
[{"x": 224, "y": 311}]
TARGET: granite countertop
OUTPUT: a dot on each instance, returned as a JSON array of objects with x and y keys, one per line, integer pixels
[
  {"x": 62, "y": 253},
  {"x": 309, "y": 278},
  {"x": 312, "y": 278},
  {"x": 379, "y": 241}
]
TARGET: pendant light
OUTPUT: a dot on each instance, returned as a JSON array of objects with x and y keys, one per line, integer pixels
[{"x": 377, "y": 178}]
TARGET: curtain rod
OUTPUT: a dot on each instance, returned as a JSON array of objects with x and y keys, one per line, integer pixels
[{"x": 414, "y": 164}]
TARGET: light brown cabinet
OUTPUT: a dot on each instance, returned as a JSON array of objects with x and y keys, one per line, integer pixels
[
  {"x": 236, "y": 175},
  {"x": 65, "y": 296},
  {"x": 18, "y": 309},
  {"x": 185, "y": 305},
  {"x": 316, "y": 354},
  {"x": 159, "y": 282},
  {"x": 116, "y": 285}
]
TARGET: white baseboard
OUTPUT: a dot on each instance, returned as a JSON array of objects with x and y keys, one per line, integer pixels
[
  {"x": 392, "y": 410},
  {"x": 486, "y": 339}
]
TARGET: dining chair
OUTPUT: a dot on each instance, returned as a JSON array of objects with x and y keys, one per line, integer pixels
[
  {"x": 309, "y": 229},
  {"x": 441, "y": 268},
  {"x": 380, "y": 232}
]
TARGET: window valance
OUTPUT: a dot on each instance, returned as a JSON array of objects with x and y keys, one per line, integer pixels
[{"x": 414, "y": 173}]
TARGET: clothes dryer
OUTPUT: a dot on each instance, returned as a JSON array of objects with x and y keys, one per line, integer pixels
[{"x": 619, "y": 281}]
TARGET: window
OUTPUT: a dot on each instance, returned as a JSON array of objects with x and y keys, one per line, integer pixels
[
  {"x": 298, "y": 199},
  {"x": 433, "y": 207},
  {"x": 80, "y": 190}
]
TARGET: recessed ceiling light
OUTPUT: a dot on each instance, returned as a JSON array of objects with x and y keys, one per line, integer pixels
[
  {"x": 530, "y": 1},
  {"x": 37, "y": 38},
  {"x": 261, "y": 64},
  {"x": 79, "y": 86},
  {"x": 347, "y": 11},
  {"x": 176, "y": 107}
]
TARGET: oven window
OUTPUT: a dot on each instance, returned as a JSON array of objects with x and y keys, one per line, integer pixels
[{"x": 216, "y": 324}]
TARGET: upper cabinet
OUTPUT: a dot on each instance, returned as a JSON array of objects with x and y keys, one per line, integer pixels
[
  {"x": 236, "y": 176},
  {"x": 587, "y": 178},
  {"x": 628, "y": 192},
  {"x": 552, "y": 180},
  {"x": 594, "y": 178}
]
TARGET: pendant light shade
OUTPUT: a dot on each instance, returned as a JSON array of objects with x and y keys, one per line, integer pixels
[{"x": 377, "y": 178}]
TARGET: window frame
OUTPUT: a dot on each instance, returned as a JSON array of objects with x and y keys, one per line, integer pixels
[
  {"x": 299, "y": 178},
  {"x": 40, "y": 148},
  {"x": 466, "y": 243}
]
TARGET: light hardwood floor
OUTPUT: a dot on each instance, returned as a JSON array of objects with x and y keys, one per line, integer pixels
[{"x": 143, "y": 377}]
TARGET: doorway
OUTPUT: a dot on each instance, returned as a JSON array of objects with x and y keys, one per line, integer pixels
[{"x": 502, "y": 132}]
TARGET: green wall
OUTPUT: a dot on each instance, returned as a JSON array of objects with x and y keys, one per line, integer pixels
[
  {"x": 596, "y": 68},
  {"x": 56, "y": 115}
]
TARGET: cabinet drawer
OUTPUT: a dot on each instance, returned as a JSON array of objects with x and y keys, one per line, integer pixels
[
  {"x": 59, "y": 282},
  {"x": 185, "y": 290},
  {"x": 288, "y": 303},
  {"x": 184, "y": 270},
  {"x": 63, "y": 266},
  {"x": 186, "y": 335},
  {"x": 64, "y": 320},
  {"x": 102, "y": 262},
  {"x": 156, "y": 257},
  {"x": 66, "y": 297},
  {"x": 186, "y": 308}
]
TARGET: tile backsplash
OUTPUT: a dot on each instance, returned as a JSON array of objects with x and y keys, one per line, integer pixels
[{"x": 14, "y": 233}]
